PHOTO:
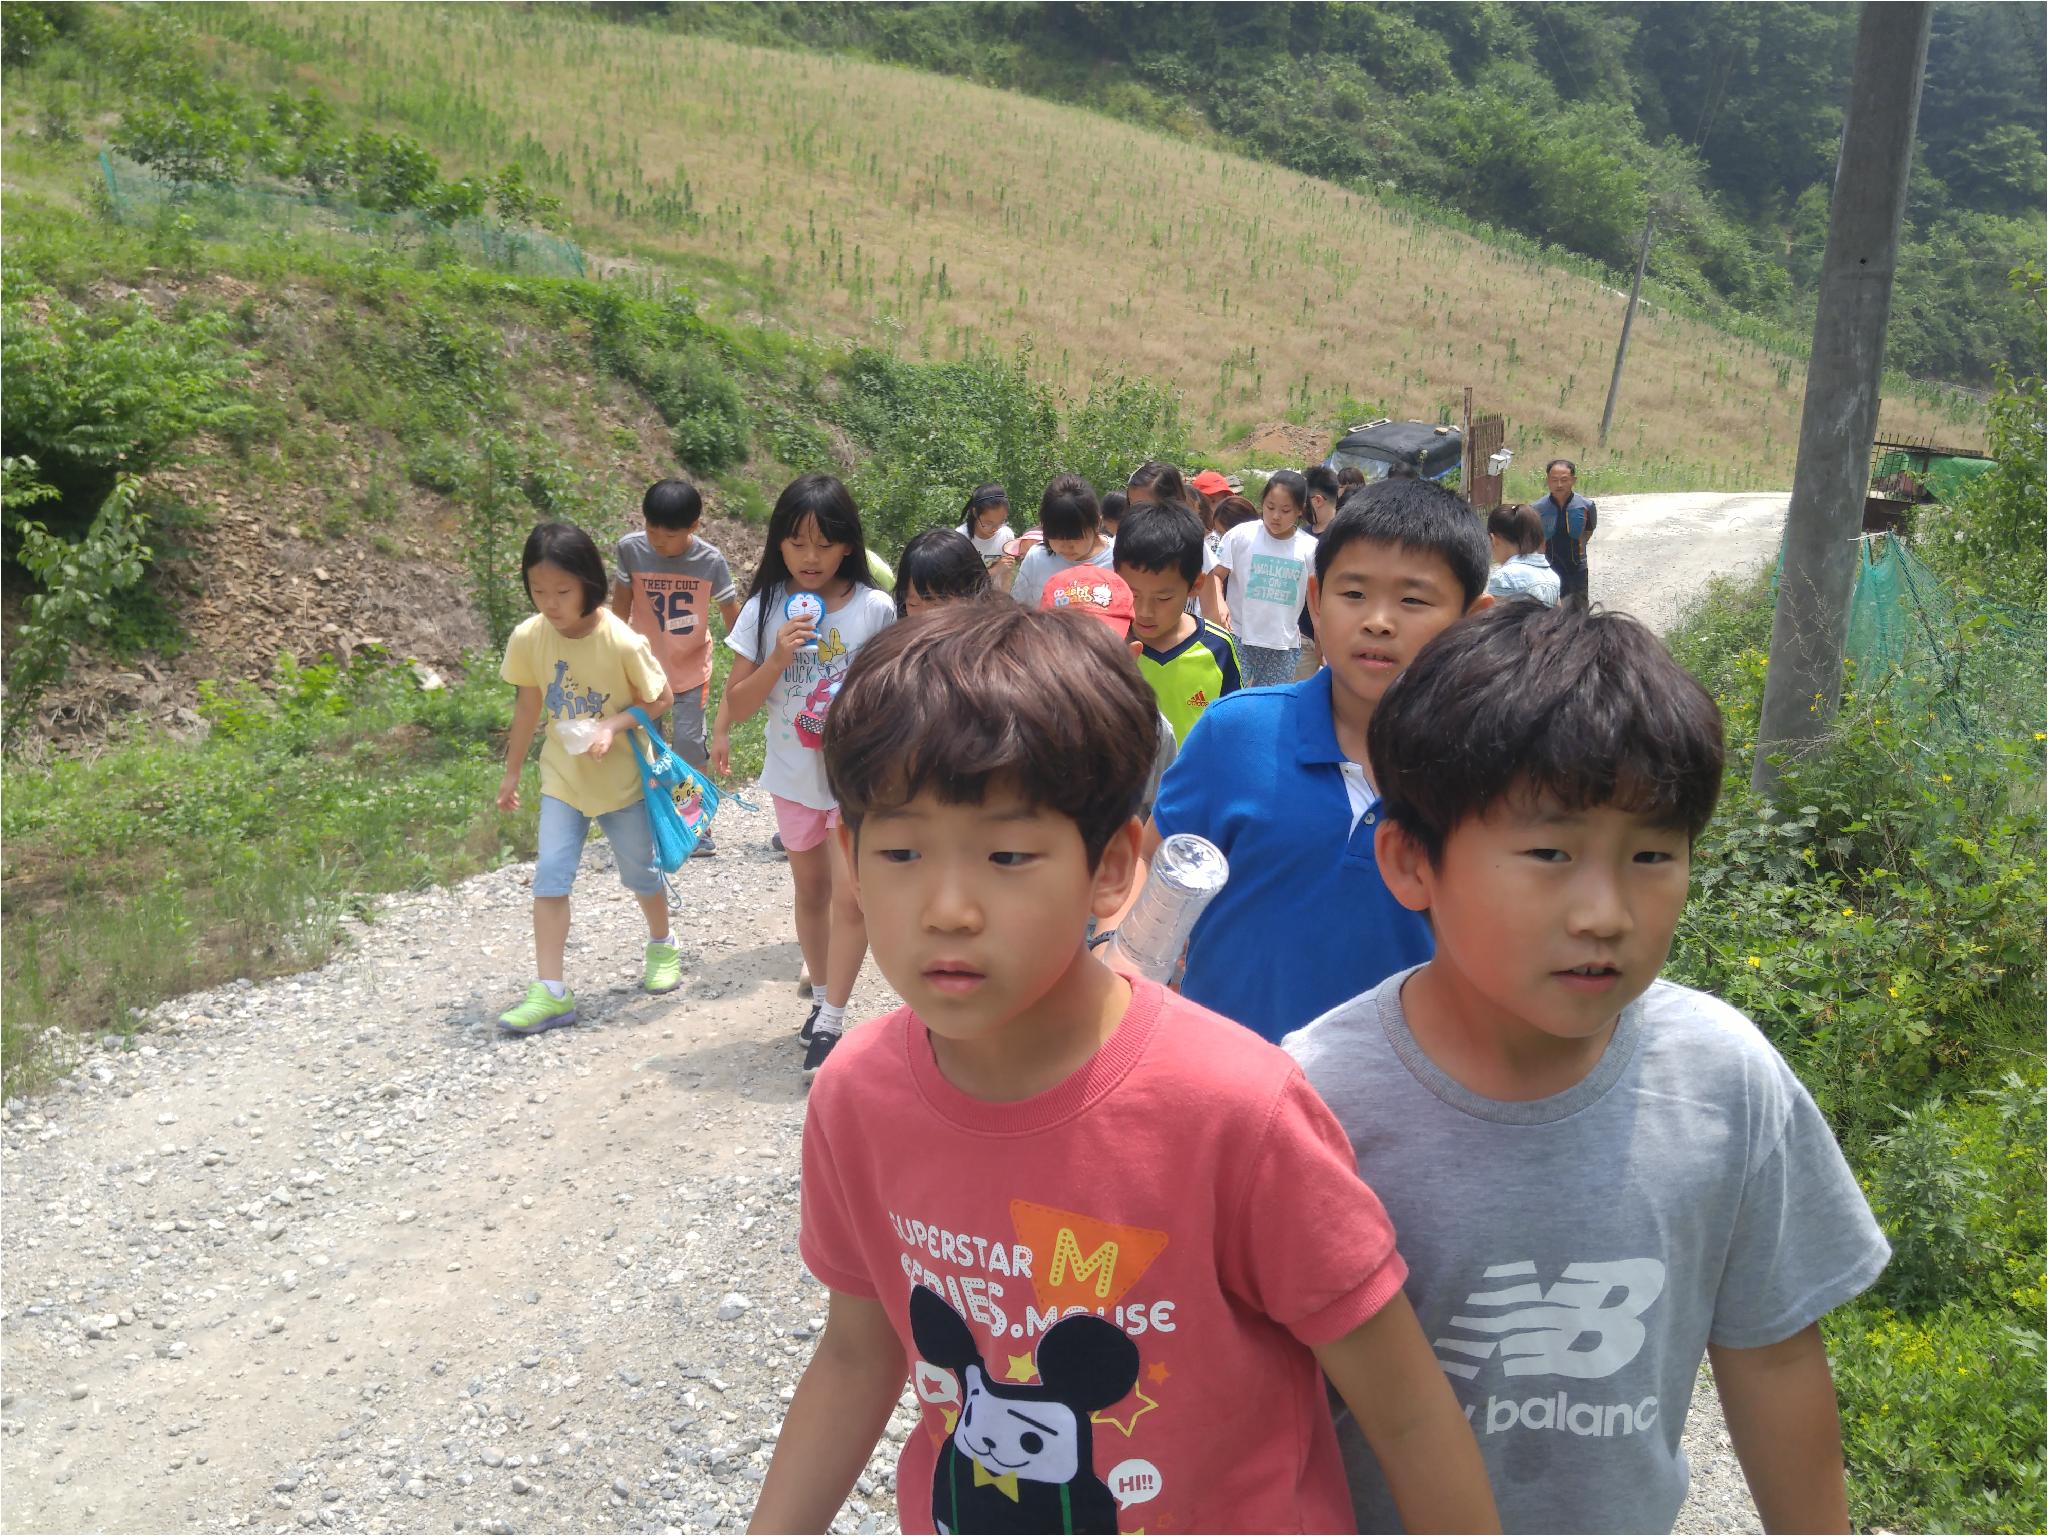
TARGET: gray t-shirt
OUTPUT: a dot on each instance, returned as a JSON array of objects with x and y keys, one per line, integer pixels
[
  {"x": 672, "y": 602},
  {"x": 1572, "y": 1257}
]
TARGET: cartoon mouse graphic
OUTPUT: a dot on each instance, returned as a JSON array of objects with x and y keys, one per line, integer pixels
[
  {"x": 810, "y": 720},
  {"x": 1021, "y": 1458}
]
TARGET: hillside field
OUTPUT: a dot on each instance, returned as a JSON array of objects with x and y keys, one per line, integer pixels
[{"x": 861, "y": 201}]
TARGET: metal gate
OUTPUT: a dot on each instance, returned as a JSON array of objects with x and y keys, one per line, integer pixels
[{"x": 1483, "y": 438}]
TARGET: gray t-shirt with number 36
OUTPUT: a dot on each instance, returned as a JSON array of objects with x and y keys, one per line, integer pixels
[{"x": 1572, "y": 1257}]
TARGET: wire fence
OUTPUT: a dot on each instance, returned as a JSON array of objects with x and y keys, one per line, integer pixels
[
  {"x": 1975, "y": 668},
  {"x": 134, "y": 196}
]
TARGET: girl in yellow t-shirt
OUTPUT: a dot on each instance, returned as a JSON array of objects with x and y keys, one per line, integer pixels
[{"x": 580, "y": 665}]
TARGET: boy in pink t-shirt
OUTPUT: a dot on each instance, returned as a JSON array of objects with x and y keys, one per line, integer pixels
[{"x": 1109, "y": 1236}]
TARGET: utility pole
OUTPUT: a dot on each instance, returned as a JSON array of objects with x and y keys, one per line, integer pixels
[
  {"x": 1628, "y": 320},
  {"x": 1804, "y": 680}
]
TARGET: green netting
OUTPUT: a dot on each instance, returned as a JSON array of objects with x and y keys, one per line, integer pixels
[
  {"x": 1970, "y": 667},
  {"x": 254, "y": 214},
  {"x": 1940, "y": 475}
]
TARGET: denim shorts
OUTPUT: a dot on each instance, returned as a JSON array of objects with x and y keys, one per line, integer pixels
[{"x": 562, "y": 830}]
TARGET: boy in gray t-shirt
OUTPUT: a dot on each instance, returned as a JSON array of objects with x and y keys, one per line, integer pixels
[
  {"x": 665, "y": 582},
  {"x": 1596, "y": 1177}
]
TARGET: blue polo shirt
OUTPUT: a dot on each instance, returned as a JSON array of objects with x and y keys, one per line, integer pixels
[{"x": 1305, "y": 921}]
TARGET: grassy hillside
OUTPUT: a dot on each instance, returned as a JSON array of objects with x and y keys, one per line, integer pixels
[
  {"x": 384, "y": 414},
  {"x": 934, "y": 216}
]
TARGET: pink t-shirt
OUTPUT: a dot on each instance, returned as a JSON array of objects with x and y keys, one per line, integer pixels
[{"x": 1107, "y": 1292}]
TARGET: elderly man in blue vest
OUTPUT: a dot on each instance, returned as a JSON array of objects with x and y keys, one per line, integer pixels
[{"x": 1568, "y": 523}]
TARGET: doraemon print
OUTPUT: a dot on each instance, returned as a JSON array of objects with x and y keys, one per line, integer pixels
[{"x": 802, "y": 698}]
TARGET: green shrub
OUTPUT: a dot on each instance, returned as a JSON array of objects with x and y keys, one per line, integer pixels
[
  {"x": 1997, "y": 526},
  {"x": 937, "y": 430},
  {"x": 189, "y": 144},
  {"x": 92, "y": 395},
  {"x": 1941, "y": 1417},
  {"x": 80, "y": 584},
  {"x": 696, "y": 395}
]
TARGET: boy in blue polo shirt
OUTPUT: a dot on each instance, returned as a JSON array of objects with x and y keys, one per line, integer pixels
[{"x": 1278, "y": 778}]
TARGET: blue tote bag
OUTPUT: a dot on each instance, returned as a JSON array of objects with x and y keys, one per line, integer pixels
[{"x": 680, "y": 800}]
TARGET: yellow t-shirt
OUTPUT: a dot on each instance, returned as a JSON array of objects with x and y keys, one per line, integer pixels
[{"x": 603, "y": 673}]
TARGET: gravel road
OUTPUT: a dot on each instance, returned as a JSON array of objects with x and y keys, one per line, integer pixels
[
  {"x": 326, "y": 1252},
  {"x": 1652, "y": 554}
]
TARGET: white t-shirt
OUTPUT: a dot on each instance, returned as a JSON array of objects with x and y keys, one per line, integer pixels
[
  {"x": 1267, "y": 585},
  {"x": 797, "y": 705},
  {"x": 1041, "y": 564},
  {"x": 991, "y": 548}
]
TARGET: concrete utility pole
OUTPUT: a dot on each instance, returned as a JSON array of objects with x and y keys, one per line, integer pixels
[
  {"x": 1803, "y": 684},
  {"x": 1627, "y": 321}
]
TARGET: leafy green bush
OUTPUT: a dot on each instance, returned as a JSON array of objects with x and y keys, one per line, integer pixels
[
  {"x": 1998, "y": 524},
  {"x": 939, "y": 430},
  {"x": 1883, "y": 928},
  {"x": 190, "y": 144},
  {"x": 80, "y": 584},
  {"x": 697, "y": 396},
  {"x": 1939, "y": 1368},
  {"x": 1957, "y": 1186},
  {"x": 92, "y": 395},
  {"x": 1941, "y": 1417}
]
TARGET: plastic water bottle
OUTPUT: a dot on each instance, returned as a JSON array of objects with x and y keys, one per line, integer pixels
[
  {"x": 1187, "y": 872},
  {"x": 576, "y": 735}
]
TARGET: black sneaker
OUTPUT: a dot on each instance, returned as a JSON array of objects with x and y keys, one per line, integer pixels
[
  {"x": 775, "y": 842},
  {"x": 809, "y": 1028},
  {"x": 821, "y": 1046}
]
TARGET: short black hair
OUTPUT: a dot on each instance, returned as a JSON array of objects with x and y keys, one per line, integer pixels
[
  {"x": 1583, "y": 707},
  {"x": 1416, "y": 515},
  {"x": 1567, "y": 463},
  {"x": 1322, "y": 481},
  {"x": 940, "y": 562},
  {"x": 957, "y": 704},
  {"x": 1114, "y": 505},
  {"x": 1163, "y": 537},
  {"x": 672, "y": 503},
  {"x": 1068, "y": 509}
]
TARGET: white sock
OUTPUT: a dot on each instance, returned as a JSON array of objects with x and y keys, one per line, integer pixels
[
  {"x": 555, "y": 988},
  {"x": 664, "y": 939},
  {"x": 831, "y": 1018}
]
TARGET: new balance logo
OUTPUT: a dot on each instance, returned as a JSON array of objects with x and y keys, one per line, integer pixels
[{"x": 1586, "y": 1326}]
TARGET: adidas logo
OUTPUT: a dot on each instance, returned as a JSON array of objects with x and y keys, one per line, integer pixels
[{"x": 1199, "y": 699}]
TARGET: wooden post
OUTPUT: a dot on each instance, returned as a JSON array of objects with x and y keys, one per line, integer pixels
[{"x": 1628, "y": 320}]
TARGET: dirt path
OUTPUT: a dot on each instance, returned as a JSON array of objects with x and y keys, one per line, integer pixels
[
  {"x": 1652, "y": 554},
  {"x": 328, "y": 1253}
]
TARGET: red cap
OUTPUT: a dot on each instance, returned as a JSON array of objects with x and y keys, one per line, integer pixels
[
  {"x": 1091, "y": 590},
  {"x": 1210, "y": 483}
]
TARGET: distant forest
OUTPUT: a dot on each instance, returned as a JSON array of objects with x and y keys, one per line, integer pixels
[{"x": 1564, "y": 122}]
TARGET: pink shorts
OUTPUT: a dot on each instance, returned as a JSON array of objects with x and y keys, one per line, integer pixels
[{"x": 802, "y": 828}]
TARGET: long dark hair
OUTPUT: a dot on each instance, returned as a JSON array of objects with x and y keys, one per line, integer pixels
[{"x": 825, "y": 499}]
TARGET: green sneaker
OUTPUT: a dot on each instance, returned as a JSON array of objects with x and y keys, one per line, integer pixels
[
  {"x": 664, "y": 968},
  {"x": 540, "y": 1010}
]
